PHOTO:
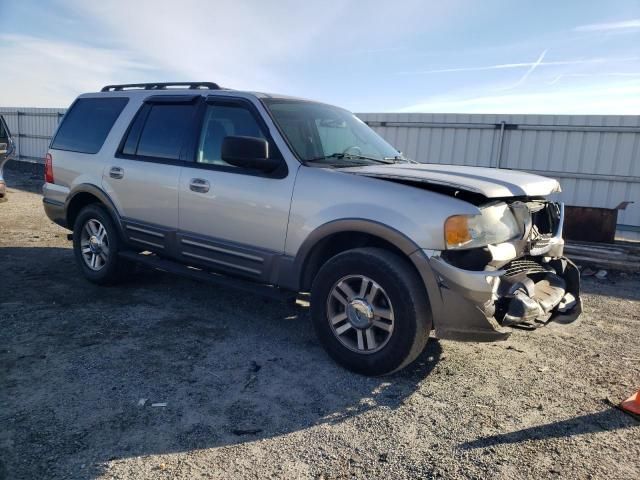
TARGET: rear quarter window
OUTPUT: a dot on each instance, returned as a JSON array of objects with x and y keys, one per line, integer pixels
[{"x": 87, "y": 123}]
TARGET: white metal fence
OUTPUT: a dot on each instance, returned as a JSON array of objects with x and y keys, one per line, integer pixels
[
  {"x": 32, "y": 129},
  {"x": 595, "y": 158}
]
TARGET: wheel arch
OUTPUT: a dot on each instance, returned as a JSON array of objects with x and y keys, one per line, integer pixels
[
  {"x": 338, "y": 236},
  {"x": 86, "y": 194}
]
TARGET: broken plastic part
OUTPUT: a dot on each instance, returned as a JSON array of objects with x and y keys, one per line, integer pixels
[{"x": 567, "y": 303}]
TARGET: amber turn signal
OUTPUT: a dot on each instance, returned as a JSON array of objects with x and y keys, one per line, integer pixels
[{"x": 456, "y": 230}]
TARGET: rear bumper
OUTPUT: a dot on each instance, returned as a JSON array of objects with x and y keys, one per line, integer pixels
[
  {"x": 486, "y": 305},
  {"x": 55, "y": 211}
]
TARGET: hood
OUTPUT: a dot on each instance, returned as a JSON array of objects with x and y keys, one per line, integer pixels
[{"x": 489, "y": 182}]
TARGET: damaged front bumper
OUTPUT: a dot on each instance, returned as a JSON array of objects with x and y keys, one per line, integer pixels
[
  {"x": 521, "y": 287},
  {"x": 529, "y": 293}
]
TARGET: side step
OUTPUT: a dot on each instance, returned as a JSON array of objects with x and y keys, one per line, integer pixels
[{"x": 152, "y": 261}]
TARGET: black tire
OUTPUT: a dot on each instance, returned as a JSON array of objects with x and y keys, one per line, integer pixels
[
  {"x": 114, "y": 268},
  {"x": 404, "y": 289}
]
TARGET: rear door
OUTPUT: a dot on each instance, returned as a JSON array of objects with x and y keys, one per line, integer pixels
[
  {"x": 142, "y": 178},
  {"x": 232, "y": 219}
]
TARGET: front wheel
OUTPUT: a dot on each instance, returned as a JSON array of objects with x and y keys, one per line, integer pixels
[
  {"x": 370, "y": 311},
  {"x": 96, "y": 244}
]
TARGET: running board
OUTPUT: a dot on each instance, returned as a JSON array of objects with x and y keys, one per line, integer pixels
[{"x": 169, "y": 266}]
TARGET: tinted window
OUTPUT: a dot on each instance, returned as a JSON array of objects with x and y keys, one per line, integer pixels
[
  {"x": 87, "y": 124},
  {"x": 164, "y": 130},
  {"x": 131, "y": 144},
  {"x": 221, "y": 121}
]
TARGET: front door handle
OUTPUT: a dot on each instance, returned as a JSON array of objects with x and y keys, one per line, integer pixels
[
  {"x": 116, "y": 172},
  {"x": 199, "y": 185}
]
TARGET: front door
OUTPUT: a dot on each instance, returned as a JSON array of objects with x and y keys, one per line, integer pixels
[{"x": 232, "y": 219}]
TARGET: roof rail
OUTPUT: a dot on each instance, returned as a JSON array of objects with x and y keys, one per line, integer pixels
[{"x": 161, "y": 86}]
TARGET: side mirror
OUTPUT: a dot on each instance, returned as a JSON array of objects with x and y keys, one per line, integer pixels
[{"x": 248, "y": 152}]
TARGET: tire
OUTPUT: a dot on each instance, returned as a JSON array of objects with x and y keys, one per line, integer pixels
[
  {"x": 94, "y": 221},
  {"x": 394, "y": 308}
]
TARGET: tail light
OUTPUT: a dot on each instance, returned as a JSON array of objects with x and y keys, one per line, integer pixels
[{"x": 48, "y": 168}]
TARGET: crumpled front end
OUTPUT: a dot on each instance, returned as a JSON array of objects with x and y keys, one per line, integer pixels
[{"x": 482, "y": 293}]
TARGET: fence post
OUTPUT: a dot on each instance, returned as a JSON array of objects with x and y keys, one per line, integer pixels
[
  {"x": 498, "y": 161},
  {"x": 18, "y": 138}
]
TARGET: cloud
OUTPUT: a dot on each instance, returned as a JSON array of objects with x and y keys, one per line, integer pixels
[
  {"x": 250, "y": 44},
  {"x": 507, "y": 66},
  {"x": 607, "y": 27},
  {"x": 619, "y": 97},
  {"x": 47, "y": 73},
  {"x": 591, "y": 75},
  {"x": 535, "y": 65},
  {"x": 238, "y": 44}
]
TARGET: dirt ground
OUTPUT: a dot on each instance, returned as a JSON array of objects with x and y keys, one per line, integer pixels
[{"x": 250, "y": 394}]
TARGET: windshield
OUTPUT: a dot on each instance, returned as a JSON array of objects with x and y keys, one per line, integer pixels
[{"x": 326, "y": 135}]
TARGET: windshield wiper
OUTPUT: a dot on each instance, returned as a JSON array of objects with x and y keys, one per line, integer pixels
[
  {"x": 400, "y": 159},
  {"x": 348, "y": 156}
]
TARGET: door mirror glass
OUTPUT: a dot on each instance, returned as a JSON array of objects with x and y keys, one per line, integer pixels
[{"x": 248, "y": 152}]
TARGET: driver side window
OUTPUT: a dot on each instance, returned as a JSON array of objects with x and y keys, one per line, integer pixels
[{"x": 221, "y": 121}]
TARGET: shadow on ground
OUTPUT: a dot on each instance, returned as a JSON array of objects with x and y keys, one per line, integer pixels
[
  {"x": 604, "y": 421},
  {"x": 25, "y": 176},
  {"x": 77, "y": 359}
]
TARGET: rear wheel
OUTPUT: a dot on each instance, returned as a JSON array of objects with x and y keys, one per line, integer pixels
[
  {"x": 370, "y": 311},
  {"x": 96, "y": 244}
]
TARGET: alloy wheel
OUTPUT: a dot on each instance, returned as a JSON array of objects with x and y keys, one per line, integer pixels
[
  {"x": 360, "y": 314},
  {"x": 94, "y": 244}
]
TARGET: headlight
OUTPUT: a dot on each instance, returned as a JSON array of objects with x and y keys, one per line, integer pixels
[{"x": 495, "y": 224}]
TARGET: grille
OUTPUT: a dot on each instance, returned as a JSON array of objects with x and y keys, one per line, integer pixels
[{"x": 523, "y": 266}]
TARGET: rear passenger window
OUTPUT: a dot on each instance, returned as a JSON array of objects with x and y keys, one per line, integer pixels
[
  {"x": 164, "y": 131},
  {"x": 86, "y": 125}
]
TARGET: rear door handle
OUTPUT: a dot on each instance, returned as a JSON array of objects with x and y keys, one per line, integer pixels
[
  {"x": 199, "y": 185},
  {"x": 116, "y": 172}
]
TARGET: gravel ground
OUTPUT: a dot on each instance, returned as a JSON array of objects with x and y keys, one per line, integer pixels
[{"x": 250, "y": 394}]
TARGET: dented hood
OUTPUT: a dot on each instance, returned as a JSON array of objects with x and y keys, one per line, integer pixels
[{"x": 490, "y": 182}]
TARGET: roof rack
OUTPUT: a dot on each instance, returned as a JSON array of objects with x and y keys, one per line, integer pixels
[{"x": 161, "y": 86}]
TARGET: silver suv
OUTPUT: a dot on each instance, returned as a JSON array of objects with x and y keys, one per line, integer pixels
[{"x": 274, "y": 194}]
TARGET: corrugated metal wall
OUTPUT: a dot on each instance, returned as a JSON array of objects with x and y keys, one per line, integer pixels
[
  {"x": 595, "y": 158},
  {"x": 32, "y": 129}
]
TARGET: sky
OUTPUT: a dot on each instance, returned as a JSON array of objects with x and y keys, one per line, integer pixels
[{"x": 453, "y": 56}]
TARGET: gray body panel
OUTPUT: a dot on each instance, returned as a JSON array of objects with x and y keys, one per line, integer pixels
[
  {"x": 324, "y": 195},
  {"x": 243, "y": 209},
  {"x": 147, "y": 192}
]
